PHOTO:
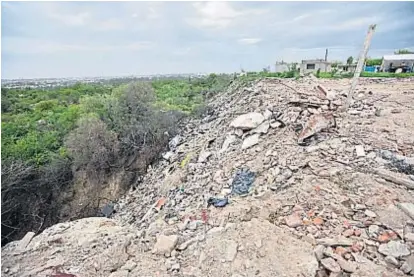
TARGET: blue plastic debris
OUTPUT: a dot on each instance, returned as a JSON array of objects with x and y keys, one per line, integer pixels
[
  {"x": 218, "y": 202},
  {"x": 242, "y": 181},
  {"x": 107, "y": 210}
]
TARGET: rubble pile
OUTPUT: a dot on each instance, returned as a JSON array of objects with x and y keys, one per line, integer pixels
[{"x": 275, "y": 181}]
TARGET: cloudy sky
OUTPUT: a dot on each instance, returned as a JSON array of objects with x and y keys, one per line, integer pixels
[{"x": 70, "y": 39}]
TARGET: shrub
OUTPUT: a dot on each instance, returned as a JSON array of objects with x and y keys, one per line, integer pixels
[
  {"x": 91, "y": 145},
  {"x": 46, "y": 105},
  {"x": 143, "y": 130},
  {"x": 30, "y": 196}
]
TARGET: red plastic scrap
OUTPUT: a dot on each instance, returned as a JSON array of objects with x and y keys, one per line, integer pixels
[
  {"x": 204, "y": 216},
  {"x": 160, "y": 203}
]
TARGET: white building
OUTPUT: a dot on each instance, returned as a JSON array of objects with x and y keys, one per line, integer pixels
[
  {"x": 313, "y": 66},
  {"x": 390, "y": 63}
]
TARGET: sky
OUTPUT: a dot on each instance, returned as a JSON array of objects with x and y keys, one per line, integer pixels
[{"x": 79, "y": 39}]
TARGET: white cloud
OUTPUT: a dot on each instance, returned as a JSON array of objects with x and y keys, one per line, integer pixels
[
  {"x": 309, "y": 16},
  {"x": 143, "y": 10},
  {"x": 218, "y": 14},
  {"x": 153, "y": 13},
  {"x": 302, "y": 16},
  {"x": 182, "y": 51},
  {"x": 52, "y": 38},
  {"x": 249, "y": 40},
  {"x": 79, "y": 19},
  {"x": 110, "y": 25},
  {"x": 138, "y": 45},
  {"x": 355, "y": 23}
]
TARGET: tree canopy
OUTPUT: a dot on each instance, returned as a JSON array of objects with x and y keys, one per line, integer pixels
[{"x": 403, "y": 51}]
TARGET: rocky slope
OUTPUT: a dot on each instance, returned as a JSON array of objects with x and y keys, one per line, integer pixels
[{"x": 275, "y": 181}]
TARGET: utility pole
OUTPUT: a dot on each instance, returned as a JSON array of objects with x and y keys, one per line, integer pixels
[{"x": 360, "y": 64}]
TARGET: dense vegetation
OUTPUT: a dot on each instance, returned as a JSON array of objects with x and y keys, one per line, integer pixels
[
  {"x": 47, "y": 135},
  {"x": 372, "y": 62},
  {"x": 403, "y": 51}
]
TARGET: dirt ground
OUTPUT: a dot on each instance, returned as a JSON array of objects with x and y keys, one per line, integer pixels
[{"x": 324, "y": 208}]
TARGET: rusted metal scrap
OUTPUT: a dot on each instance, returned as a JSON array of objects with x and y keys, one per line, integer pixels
[
  {"x": 322, "y": 92},
  {"x": 315, "y": 124}
]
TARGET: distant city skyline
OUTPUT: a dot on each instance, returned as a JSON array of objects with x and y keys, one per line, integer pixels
[
  {"x": 110, "y": 76},
  {"x": 97, "y": 39}
]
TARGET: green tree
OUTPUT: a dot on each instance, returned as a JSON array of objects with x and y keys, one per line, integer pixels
[
  {"x": 5, "y": 101},
  {"x": 371, "y": 62},
  {"x": 403, "y": 51},
  {"x": 350, "y": 60}
]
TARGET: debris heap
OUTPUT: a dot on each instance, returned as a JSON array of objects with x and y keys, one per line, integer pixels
[{"x": 276, "y": 180}]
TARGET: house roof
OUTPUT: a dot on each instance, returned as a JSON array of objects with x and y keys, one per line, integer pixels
[{"x": 399, "y": 57}]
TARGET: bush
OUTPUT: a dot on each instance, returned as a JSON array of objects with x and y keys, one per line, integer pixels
[
  {"x": 46, "y": 105},
  {"x": 143, "y": 130},
  {"x": 31, "y": 196},
  {"x": 91, "y": 145}
]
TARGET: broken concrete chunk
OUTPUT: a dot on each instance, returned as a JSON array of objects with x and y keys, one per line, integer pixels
[
  {"x": 395, "y": 179},
  {"x": 370, "y": 213},
  {"x": 335, "y": 241},
  {"x": 293, "y": 221},
  {"x": 247, "y": 121},
  {"x": 262, "y": 128},
  {"x": 25, "y": 241},
  {"x": 409, "y": 237},
  {"x": 120, "y": 273},
  {"x": 360, "y": 207},
  {"x": 250, "y": 141},
  {"x": 408, "y": 265},
  {"x": 407, "y": 208},
  {"x": 238, "y": 132},
  {"x": 394, "y": 248},
  {"x": 203, "y": 157},
  {"x": 315, "y": 124},
  {"x": 391, "y": 260},
  {"x": 231, "y": 250},
  {"x": 215, "y": 230},
  {"x": 167, "y": 156},
  {"x": 229, "y": 140},
  {"x": 275, "y": 124},
  {"x": 165, "y": 244},
  {"x": 330, "y": 265},
  {"x": 267, "y": 114},
  {"x": 373, "y": 230},
  {"x": 347, "y": 266},
  {"x": 360, "y": 152},
  {"x": 405, "y": 268},
  {"x": 319, "y": 249},
  {"x": 184, "y": 245}
]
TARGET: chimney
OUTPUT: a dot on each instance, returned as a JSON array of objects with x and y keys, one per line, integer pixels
[{"x": 326, "y": 55}]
